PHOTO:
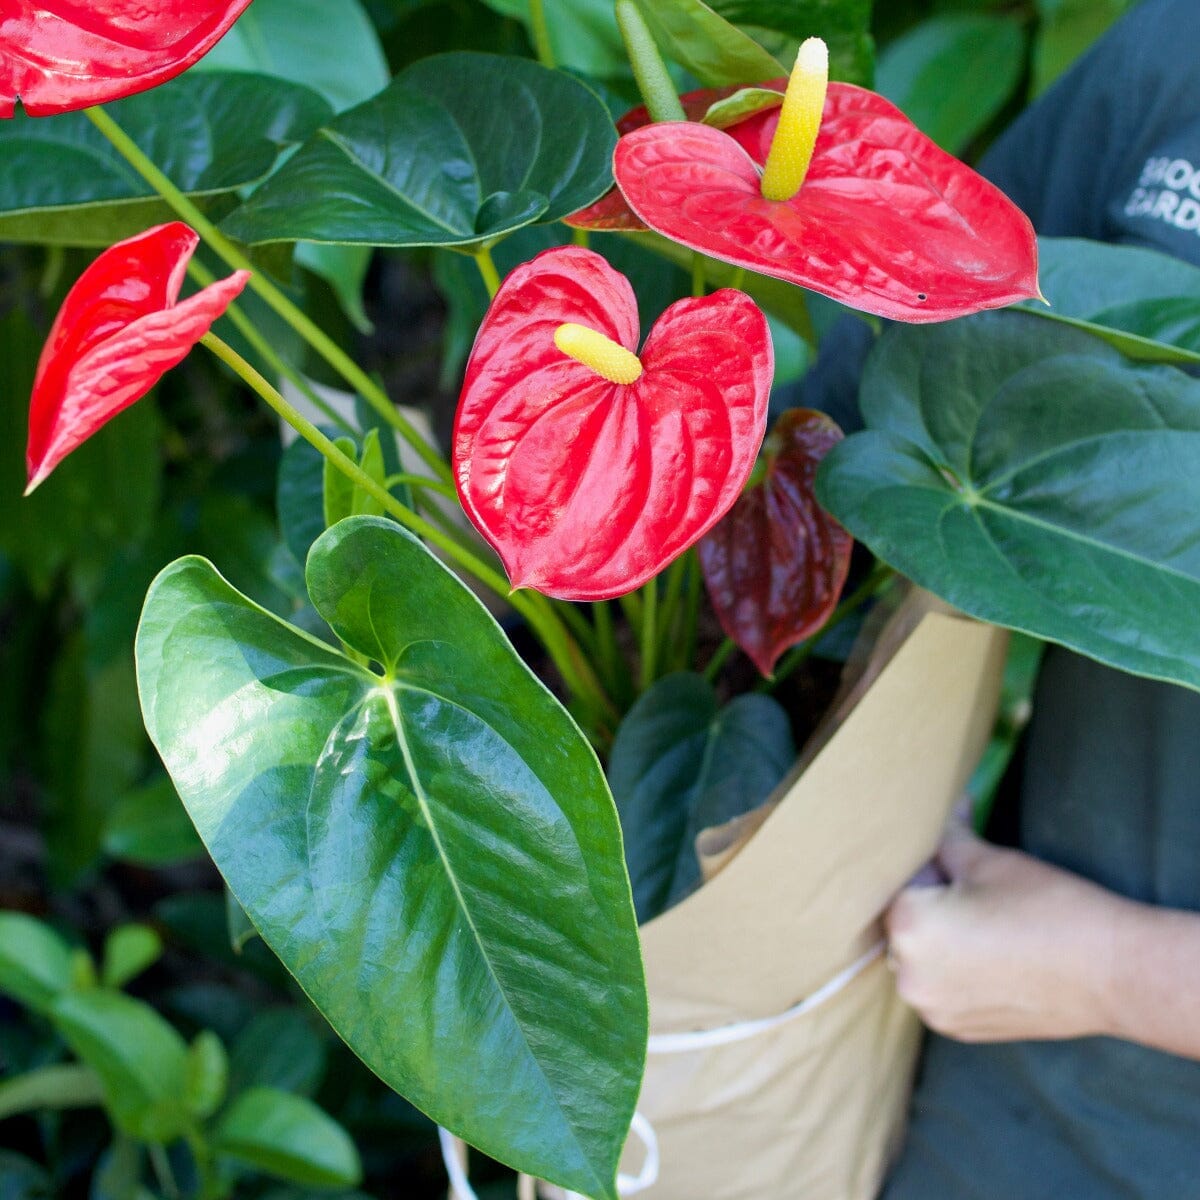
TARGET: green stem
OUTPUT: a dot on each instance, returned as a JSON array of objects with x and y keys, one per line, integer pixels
[
  {"x": 487, "y": 270},
  {"x": 581, "y": 237},
  {"x": 718, "y": 660},
  {"x": 242, "y": 323},
  {"x": 316, "y": 337},
  {"x": 695, "y": 588},
  {"x": 662, "y": 101},
  {"x": 612, "y": 661},
  {"x": 533, "y": 607},
  {"x": 879, "y": 579},
  {"x": 162, "y": 1168},
  {"x": 698, "y": 280},
  {"x": 421, "y": 481},
  {"x": 541, "y": 34},
  {"x": 649, "y": 638}
]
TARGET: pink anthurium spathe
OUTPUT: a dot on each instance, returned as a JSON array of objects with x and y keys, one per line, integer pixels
[
  {"x": 611, "y": 212},
  {"x": 776, "y": 563},
  {"x": 587, "y": 466},
  {"x": 859, "y": 204},
  {"x": 59, "y": 55},
  {"x": 118, "y": 331}
]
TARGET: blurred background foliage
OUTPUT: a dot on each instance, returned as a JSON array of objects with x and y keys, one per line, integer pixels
[{"x": 116, "y": 932}]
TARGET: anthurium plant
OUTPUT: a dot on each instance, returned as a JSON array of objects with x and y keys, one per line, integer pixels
[{"x": 417, "y": 818}]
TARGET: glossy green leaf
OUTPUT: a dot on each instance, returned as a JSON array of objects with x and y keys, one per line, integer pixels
[
  {"x": 300, "y": 495},
  {"x": 280, "y": 1049},
  {"x": 435, "y": 840},
  {"x": 780, "y": 25},
  {"x": 713, "y": 49},
  {"x": 296, "y": 40},
  {"x": 207, "y": 1074},
  {"x": 681, "y": 764},
  {"x": 35, "y": 963},
  {"x": 742, "y": 104},
  {"x": 952, "y": 74},
  {"x": 149, "y": 827},
  {"x": 61, "y": 182},
  {"x": 1140, "y": 301},
  {"x": 140, "y": 1060},
  {"x": 1033, "y": 477},
  {"x": 459, "y": 150},
  {"x": 287, "y": 1136},
  {"x": 128, "y": 951}
]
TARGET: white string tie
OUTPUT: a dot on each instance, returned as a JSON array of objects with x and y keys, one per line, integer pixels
[{"x": 677, "y": 1043}]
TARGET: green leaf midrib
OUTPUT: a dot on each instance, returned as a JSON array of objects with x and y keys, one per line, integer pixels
[{"x": 389, "y": 697}]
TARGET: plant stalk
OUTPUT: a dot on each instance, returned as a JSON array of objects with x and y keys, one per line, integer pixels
[
  {"x": 575, "y": 670},
  {"x": 653, "y": 80},
  {"x": 541, "y": 34},
  {"x": 316, "y": 337}
]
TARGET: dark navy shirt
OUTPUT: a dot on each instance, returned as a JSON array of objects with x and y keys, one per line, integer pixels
[{"x": 1110, "y": 782}]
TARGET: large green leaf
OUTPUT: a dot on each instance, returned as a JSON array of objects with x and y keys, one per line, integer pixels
[
  {"x": 952, "y": 74},
  {"x": 61, "y": 182},
  {"x": 1140, "y": 301},
  {"x": 430, "y": 848},
  {"x": 780, "y": 25},
  {"x": 713, "y": 49},
  {"x": 340, "y": 59},
  {"x": 287, "y": 1136},
  {"x": 459, "y": 150},
  {"x": 1033, "y": 477},
  {"x": 140, "y": 1060},
  {"x": 681, "y": 764}
]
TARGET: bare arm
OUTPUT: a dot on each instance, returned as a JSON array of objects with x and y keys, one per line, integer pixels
[{"x": 1014, "y": 949}]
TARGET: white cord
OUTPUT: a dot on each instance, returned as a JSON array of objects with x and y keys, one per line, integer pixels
[{"x": 678, "y": 1043}]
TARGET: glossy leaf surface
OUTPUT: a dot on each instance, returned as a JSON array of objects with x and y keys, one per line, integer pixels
[
  {"x": 713, "y": 49},
  {"x": 681, "y": 764},
  {"x": 458, "y": 150},
  {"x": 1141, "y": 301},
  {"x": 1033, "y": 477},
  {"x": 119, "y": 330},
  {"x": 287, "y": 1136},
  {"x": 886, "y": 222},
  {"x": 588, "y": 488},
  {"x": 140, "y": 1059},
  {"x": 62, "y": 182},
  {"x": 60, "y": 55},
  {"x": 435, "y": 842},
  {"x": 776, "y": 562}
]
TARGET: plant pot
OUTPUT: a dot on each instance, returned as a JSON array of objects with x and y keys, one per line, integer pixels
[{"x": 781, "y": 1056}]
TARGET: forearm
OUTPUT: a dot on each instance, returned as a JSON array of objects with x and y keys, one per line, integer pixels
[{"x": 1153, "y": 995}]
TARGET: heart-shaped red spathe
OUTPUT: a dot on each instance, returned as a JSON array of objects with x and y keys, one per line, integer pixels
[
  {"x": 886, "y": 221},
  {"x": 776, "y": 563},
  {"x": 118, "y": 331},
  {"x": 588, "y": 488},
  {"x": 59, "y": 55},
  {"x": 611, "y": 212}
]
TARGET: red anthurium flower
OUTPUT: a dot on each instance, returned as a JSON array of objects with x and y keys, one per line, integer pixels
[
  {"x": 118, "y": 331},
  {"x": 776, "y": 563},
  {"x": 858, "y": 204},
  {"x": 59, "y": 55},
  {"x": 586, "y": 466},
  {"x": 611, "y": 211}
]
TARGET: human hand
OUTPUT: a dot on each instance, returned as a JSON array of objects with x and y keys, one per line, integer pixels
[{"x": 1009, "y": 949}]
